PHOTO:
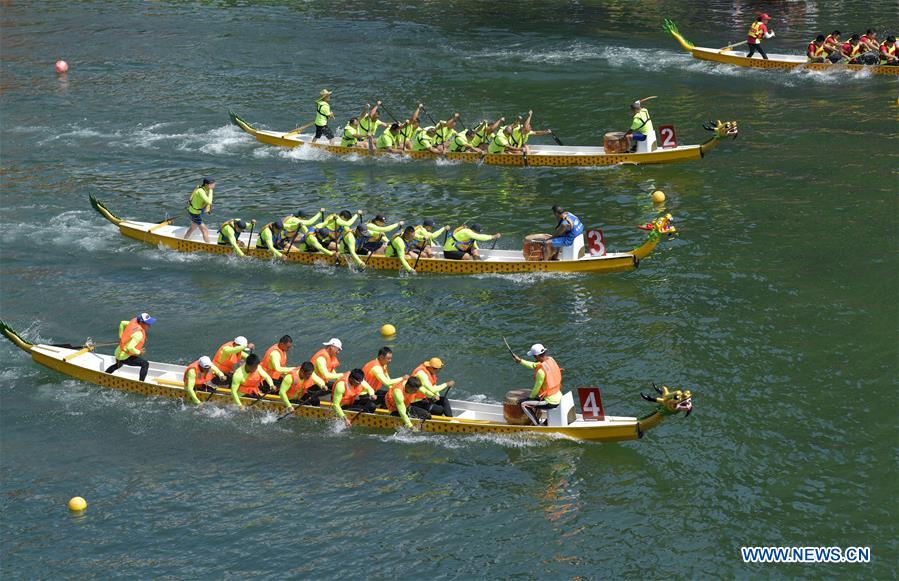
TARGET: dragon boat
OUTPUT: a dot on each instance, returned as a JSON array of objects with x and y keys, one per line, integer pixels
[
  {"x": 727, "y": 56},
  {"x": 539, "y": 156},
  {"x": 165, "y": 380},
  {"x": 494, "y": 261}
]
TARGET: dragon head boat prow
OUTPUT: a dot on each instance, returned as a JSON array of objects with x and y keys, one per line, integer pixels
[
  {"x": 659, "y": 226},
  {"x": 671, "y": 402},
  {"x": 722, "y": 129}
]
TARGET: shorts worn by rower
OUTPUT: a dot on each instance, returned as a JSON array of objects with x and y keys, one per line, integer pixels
[
  {"x": 132, "y": 336},
  {"x": 248, "y": 378},
  {"x": 199, "y": 375},
  {"x": 198, "y": 204},
  {"x": 567, "y": 231},
  {"x": 352, "y": 392},
  {"x": 462, "y": 243},
  {"x": 547, "y": 391}
]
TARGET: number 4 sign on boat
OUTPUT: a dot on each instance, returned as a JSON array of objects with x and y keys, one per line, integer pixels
[
  {"x": 591, "y": 404},
  {"x": 669, "y": 137}
]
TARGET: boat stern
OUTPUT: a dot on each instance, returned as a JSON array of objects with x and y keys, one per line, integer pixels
[
  {"x": 670, "y": 27},
  {"x": 14, "y": 337}
]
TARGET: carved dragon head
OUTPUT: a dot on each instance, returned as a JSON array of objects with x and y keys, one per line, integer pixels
[
  {"x": 722, "y": 130},
  {"x": 671, "y": 402},
  {"x": 659, "y": 226}
]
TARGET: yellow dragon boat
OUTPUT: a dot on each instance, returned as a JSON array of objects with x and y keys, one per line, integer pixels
[
  {"x": 494, "y": 261},
  {"x": 539, "y": 156},
  {"x": 774, "y": 61},
  {"x": 165, "y": 380}
]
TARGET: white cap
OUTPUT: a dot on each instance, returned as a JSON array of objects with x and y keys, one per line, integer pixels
[
  {"x": 205, "y": 362},
  {"x": 241, "y": 340},
  {"x": 145, "y": 318},
  {"x": 637, "y": 104},
  {"x": 537, "y": 349},
  {"x": 334, "y": 342}
]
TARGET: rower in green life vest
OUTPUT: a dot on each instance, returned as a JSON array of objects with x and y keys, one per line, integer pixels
[
  {"x": 424, "y": 237},
  {"x": 322, "y": 114},
  {"x": 353, "y": 135},
  {"x": 247, "y": 380},
  {"x": 483, "y": 133},
  {"x": 461, "y": 142},
  {"x": 423, "y": 140},
  {"x": 310, "y": 242},
  {"x": 299, "y": 223},
  {"x": 132, "y": 336},
  {"x": 198, "y": 204},
  {"x": 301, "y": 386},
  {"x": 462, "y": 243},
  {"x": 391, "y": 140},
  {"x": 397, "y": 248},
  {"x": 333, "y": 225},
  {"x": 352, "y": 392},
  {"x": 502, "y": 142},
  {"x": 369, "y": 121},
  {"x": 547, "y": 391},
  {"x": 379, "y": 233},
  {"x": 521, "y": 132},
  {"x": 431, "y": 399},
  {"x": 377, "y": 374},
  {"x": 270, "y": 237},
  {"x": 198, "y": 375},
  {"x": 229, "y": 234},
  {"x": 351, "y": 243},
  {"x": 445, "y": 131},
  {"x": 407, "y": 131}
]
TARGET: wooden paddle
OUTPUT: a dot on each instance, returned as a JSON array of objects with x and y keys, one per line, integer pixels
[
  {"x": 386, "y": 110},
  {"x": 730, "y": 46},
  {"x": 297, "y": 130},
  {"x": 512, "y": 353},
  {"x": 250, "y": 239},
  {"x": 434, "y": 123},
  {"x": 556, "y": 139},
  {"x": 260, "y": 398},
  {"x": 360, "y": 412}
]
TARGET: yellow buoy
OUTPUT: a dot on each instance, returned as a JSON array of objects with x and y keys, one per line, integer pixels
[
  {"x": 77, "y": 504},
  {"x": 388, "y": 330},
  {"x": 658, "y": 197}
]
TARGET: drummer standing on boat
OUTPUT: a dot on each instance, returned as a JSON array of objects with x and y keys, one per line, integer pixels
[
  {"x": 322, "y": 114},
  {"x": 132, "y": 336},
  {"x": 567, "y": 231},
  {"x": 199, "y": 203},
  {"x": 757, "y": 31},
  {"x": 547, "y": 391}
]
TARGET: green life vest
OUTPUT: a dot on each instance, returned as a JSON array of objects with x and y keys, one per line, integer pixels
[
  {"x": 350, "y": 137},
  {"x": 499, "y": 143},
  {"x": 322, "y": 112},
  {"x": 459, "y": 142},
  {"x": 387, "y": 140}
]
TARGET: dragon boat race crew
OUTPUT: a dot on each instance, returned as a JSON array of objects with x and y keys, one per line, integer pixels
[
  {"x": 199, "y": 374},
  {"x": 641, "y": 124},
  {"x": 502, "y": 142},
  {"x": 444, "y": 132},
  {"x": 376, "y": 374},
  {"x": 408, "y": 130},
  {"x": 391, "y": 139},
  {"x": 299, "y": 223},
  {"x": 521, "y": 132},
  {"x": 397, "y": 248},
  {"x": 230, "y": 355},
  {"x": 274, "y": 362},
  {"x": 461, "y": 142},
  {"x": 889, "y": 51},
  {"x": 310, "y": 242},
  {"x": 399, "y": 401},
  {"x": 270, "y": 236},
  {"x": 425, "y": 235},
  {"x": 816, "y": 51},
  {"x": 300, "y": 386},
  {"x": 199, "y": 203},
  {"x": 757, "y": 31},
  {"x": 230, "y": 231},
  {"x": 567, "y": 231},
  {"x": 430, "y": 398},
  {"x": 322, "y": 114},
  {"x": 484, "y": 132},
  {"x": 462, "y": 243},
  {"x": 247, "y": 379},
  {"x": 352, "y": 134},
  {"x": 333, "y": 225},
  {"x": 369, "y": 121},
  {"x": 352, "y": 392},
  {"x": 132, "y": 336},
  {"x": 423, "y": 140},
  {"x": 834, "y": 46},
  {"x": 853, "y": 50},
  {"x": 352, "y": 241},
  {"x": 547, "y": 391},
  {"x": 869, "y": 41},
  {"x": 378, "y": 231},
  {"x": 325, "y": 360}
]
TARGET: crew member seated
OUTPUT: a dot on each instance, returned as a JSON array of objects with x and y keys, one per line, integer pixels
[{"x": 567, "y": 231}]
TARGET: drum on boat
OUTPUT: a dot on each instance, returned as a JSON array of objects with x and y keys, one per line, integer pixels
[
  {"x": 616, "y": 142},
  {"x": 533, "y": 246},
  {"x": 512, "y": 412}
]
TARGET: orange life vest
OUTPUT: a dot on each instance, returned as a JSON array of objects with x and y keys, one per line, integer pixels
[
  {"x": 130, "y": 329},
  {"x": 419, "y": 395},
  {"x": 391, "y": 403},
  {"x": 227, "y": 365},
  {"x": 350, "y": 393},
  {"x": 298, "y": 386},
  {"x": 202, "y": 378},
  {"x": 250, "y": 385},
  {"x": 373, "y": 381},
  {"x": 265, "y": 363},
  {"x": 331, "y": 362},
  {"x": 552, "y": 382}
]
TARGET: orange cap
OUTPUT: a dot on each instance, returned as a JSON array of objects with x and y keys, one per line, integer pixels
[{"x": 435, "y": 362}]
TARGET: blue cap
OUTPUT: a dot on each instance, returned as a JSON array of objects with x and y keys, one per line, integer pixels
[{"x": 145, "y": 318}]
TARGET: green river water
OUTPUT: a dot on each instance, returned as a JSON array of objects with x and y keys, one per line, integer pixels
[{"x": 775, "y": 305}]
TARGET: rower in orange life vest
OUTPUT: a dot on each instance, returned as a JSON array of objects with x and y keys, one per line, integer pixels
[
  {"x": 325, "y": 360},
  {"x": 274, "y": 362},
  {"x": 132, "y": 336},
  {"x": 301, "y": 385},
  {"x": 567, "y": 231},
  {"x": 352, "y": 392},
  {"x": 376, "y": 373},
  {"x": 230, "y": 355},
  {"x": 816, "y": 51},
  {"x": 428, "y": 396},
  {"x": 400, "y": 398},
  {"x": 547, "y": 391},
  {"x": 198, "y": 375},
  {"x": 247, "y": 379},
  {"x": 757, "y": 31},
  {"x": 889, "y": 51}
]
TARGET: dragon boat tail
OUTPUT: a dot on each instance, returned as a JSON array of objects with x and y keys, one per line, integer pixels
[{"x": 164, "y": 380}]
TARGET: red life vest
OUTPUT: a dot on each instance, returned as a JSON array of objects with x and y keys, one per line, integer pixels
[
  {"x": 202, "y": 378},
  {"x": 298, "y": 386},
  {"x": 552, "y": 382},
  {"x": 331, "y": 362},
  {"x": 227, "y": 365},
  {"x": 250, "y": 385},
  {"x": 350, "y": 393},
  {"x": 130, "y": 329},
  {"x": 265, "y": 363},
  {"x": 373, "y": 381},
  {"x": 756, "y": 32}
]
